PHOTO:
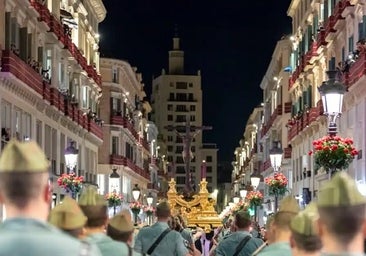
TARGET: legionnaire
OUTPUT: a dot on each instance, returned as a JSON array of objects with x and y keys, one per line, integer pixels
[
  {"x": 268, "y": 236},
  {"x": 305, "y": 238},
  {"x": 120, "y": 228},
  {"x": 26, "y": 193},
  {"x": 280, "y": 227},
  {"x": 68, "y": 217},
  {"x": 159, "y": 239},
  {"x": 240, "y": 242},
  {"x": 94, "y": 207},
  {"x": 341, "y": 221}
]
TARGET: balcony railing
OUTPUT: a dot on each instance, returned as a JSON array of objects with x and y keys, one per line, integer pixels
[
  {"x": 268, "y": 125},
  {"x": 122, "y": 160},
  {"x": 266, "y": 165},
  {"x": 55, "y": 27}
]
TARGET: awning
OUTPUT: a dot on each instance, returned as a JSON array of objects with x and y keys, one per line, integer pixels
[{"x": 65, "y": 14}]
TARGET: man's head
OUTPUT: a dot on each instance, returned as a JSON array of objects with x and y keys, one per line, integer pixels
[
  {"x": 304, "y": 234},
  {"x": 94, "y": 207},
  {"x": 163, "y": 210},
  {"x": 120, "y": 228},
  {"x": 24, "y": 177},
  {"x": 242, "y": 220},
  {"x": 341, "y": 209},
  {"x": 69, "y": 217},
  {"x": 288, "y": 209}
]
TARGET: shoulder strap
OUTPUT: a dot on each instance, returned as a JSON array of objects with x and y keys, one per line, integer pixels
[
  {"x": 85, "y": 249},
  {"x": 156, "y": 243},
  {"x": 241, "y": 245},
  {"x": 129, "y": 250}
]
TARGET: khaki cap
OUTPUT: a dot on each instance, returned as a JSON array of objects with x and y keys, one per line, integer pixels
[
  {"x": 121, "y": 223},
  {"x": 67, "y": 215},
  {"x": 23, "y": 157},
  {"x": 90, "y": 197},
  {"x": 341, "y": 190},
  {"x": 289, "y": 204},
  {"x": 304, "y": 222}
]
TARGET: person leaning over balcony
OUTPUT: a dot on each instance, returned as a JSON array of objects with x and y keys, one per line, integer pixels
[
  {"x": 68, "y": 217},
  {"x": 280, "y": 228},
  {"x": 240, "y": 242},
  {"x": 341, "y": 220},
  {"x": 94, "y": 207},
  {"x": 159, "y": 239},
  {"x": 26, "y": 192},
  {"x": 305, "y": 240}
]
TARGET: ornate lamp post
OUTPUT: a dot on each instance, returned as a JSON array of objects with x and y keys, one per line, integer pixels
[
  {"x": 275, "y": 154},
  {"x": 236, "y": 198},
  {"x": 71, "y": 156},
  {"x": 243, "y": 192},
  {"x": 114, "y": 174},
  {"x": 332, "y": 92},
  {"x": 136, "y": 192},
  {"x": 149, "y": 199},
  {"x": 255, "y": 180}
]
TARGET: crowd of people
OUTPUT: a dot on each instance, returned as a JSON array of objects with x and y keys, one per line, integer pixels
[{"x": 334, "y": 225}]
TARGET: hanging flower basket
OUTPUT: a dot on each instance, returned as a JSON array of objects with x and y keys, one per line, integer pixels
[
  {"x": 277, "y": 184},
  {"x": 135, "y": 207},
  {"x": 149, "y": 210},
  {"x": 71, "y": 183},
  {"x": 114, "y": 199},
  {"x": 333, "y": 152},
  {"x": 255, "y": 198}
]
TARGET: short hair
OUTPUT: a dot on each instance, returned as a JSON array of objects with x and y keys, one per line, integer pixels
[
  {"x": 77, "y": 232},
  {"x": 21, "y": 188},
  {"x": 96, "y": 214},
  {"x": 343, "y": 222},
  {"x": 306, "y": 243},
  {"x": 163, "y": 210},
  {"x": 282, "y": 220},
  {"x": 118, "y": 235},
  {"x": 242, "y": 219}
]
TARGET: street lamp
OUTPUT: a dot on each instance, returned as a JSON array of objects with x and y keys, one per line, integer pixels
[
  {"x": 243, "y": 192},
  {"x": 149, "y": 199},
  {"x": 71, "y": 156},
  {"x": 114, "y": 174},
  {"x": 254, "y": 180},
  {"x": 275, "y": 154},
  {"x": 136, "y": 192},
  {"x": 236, "y": 198},
  {"x": 332, "y": 92}
]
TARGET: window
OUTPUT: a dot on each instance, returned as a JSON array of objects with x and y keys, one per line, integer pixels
[
  {"x": 192, "y": 107},
  {"x": 85, "y": 97},
  {"x": 181, "y": 96},
  {"x": 115, "y": 145},
  {"x": 209, "y": 169},
  {"x": 171, "y": 96},
  {"x": 181, "y": 180},
  {"x": 193, "y": 149},
  {"x": 170, "y": 118},
  {"x": 190, "y": 96},
  {"x": 39, "y": 132},
  {"x": 181, "y": 108},
  {"x": 190, "y": 84},
  {"x": 209, "y": 179},
  {"x": 179, "y": 160},
  {"x": 170, "y": 158},
  {"x": 181, "y": 118},
  {"x": 170, "y": 148},
  {"x": 181, "y": 85},
  {"x": 209, "y": 159},
  {"x": 193, "y": 118},
  {"x": 170, "y": 107},
  {"x": 350, "y": 44},
  {"x": 170, "y": 138},
  {"x": 180, "y": 170},
  {"x": 179, "y": 149},
  {"x": 114, "y": 75}
]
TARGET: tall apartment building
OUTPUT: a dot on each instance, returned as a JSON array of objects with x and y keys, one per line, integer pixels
[
  {"x": 129, "y": 146},
  {"x": 49, "y": 80},
  {"x": 177, "y": 101}
]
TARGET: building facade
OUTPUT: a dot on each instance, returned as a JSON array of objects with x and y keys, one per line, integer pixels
[
  {"x": 129, "y": 146},
  {"x": 49, "y": 81},
  {"x": 177, "y": 103}
]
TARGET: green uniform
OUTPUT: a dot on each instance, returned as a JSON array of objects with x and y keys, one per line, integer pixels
[
  {"x": 30, "y": 237},
  {"x": 228, "y": 245},
  {"x": 172, "y": 244},
  {"x": 108, "y": 246},
  {"x": 342, "y": 254},
  {"x": 277, "y": 249}
]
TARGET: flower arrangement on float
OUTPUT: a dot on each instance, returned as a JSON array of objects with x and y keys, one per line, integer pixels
[{"x": 333, "y": 152}]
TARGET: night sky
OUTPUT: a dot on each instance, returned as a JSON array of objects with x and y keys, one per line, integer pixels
[{"x": 230, "y": 41}]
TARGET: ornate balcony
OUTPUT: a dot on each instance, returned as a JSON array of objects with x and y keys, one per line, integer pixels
[
  {"x": 277, "y": 112},
  {"x": 122, "y": 160},
  {"x": 55, "y": 27},
  {"x": 357, "y": 70}
]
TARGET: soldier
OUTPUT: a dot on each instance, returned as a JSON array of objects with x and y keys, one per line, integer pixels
[
  {"x": 159, "y": 239},
  {"x": 94, "y": 207},
  {"x": 268, "y": 235},
  {"x": 120, "y": 228},
  {"x": 280, "y": 229},
  {"x": 240, "y": 242},
  {"x": 341, "y": 221},
  {"x": 68, "y": 217},
  {"x": 26, "y": 192},
  {"x": 305, "y": 239}
]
